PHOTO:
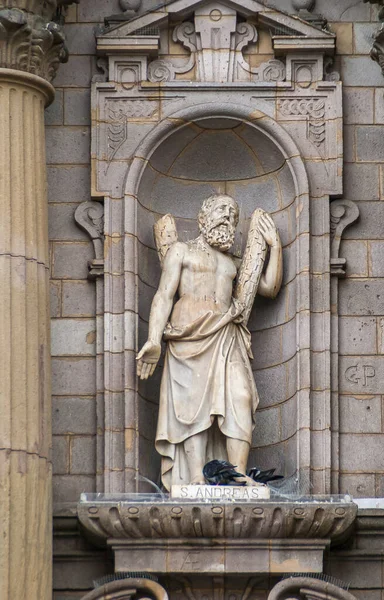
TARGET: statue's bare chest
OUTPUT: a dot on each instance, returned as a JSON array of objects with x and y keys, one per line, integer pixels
[{"x": 211, "y": 262}]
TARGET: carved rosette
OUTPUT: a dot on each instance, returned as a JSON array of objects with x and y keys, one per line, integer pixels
[{"x": 29, "y": 38}]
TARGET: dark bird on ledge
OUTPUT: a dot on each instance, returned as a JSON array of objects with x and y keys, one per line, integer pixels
[
  {"x": 263, "y": 476},
  {"x": 222, "y": 472}
]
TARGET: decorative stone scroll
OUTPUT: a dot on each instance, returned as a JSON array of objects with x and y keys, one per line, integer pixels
[
  {"x": 128, "y": 589},
  {"x": 343, "y": 214},
  {"x": 90, "y": 217},
  {"x": 306, "y": 588},
  {"x": 216, "y": 50}
]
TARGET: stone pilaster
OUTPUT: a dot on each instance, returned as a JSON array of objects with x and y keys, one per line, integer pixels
[{"x": 31, "y": 48}]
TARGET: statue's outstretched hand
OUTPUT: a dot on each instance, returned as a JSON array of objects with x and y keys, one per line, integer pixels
[
  {"x": 269, "y": 230},
  {"x": 147, "y": 359}
]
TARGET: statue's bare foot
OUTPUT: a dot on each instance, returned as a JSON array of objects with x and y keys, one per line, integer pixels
[
  {"x": 198, "y": 481},
  {"x": 250, "y": 482}
]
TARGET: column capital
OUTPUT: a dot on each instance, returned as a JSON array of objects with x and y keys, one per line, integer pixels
[{"x": 30, "y": 39}]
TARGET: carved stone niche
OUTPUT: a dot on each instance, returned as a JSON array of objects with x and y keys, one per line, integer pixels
[
  {"x": 303, "y": 588},
  {"x": 218, "y": 96},
  {"x": 129, "y": 589}
]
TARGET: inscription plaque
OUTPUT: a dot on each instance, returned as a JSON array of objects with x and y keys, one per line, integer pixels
[{"x": 221, "y": 492}]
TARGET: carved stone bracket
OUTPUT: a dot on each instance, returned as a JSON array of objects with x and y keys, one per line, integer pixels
[
  {"x": 343, "y": 214},
  {"x": 90, "y": 217},
  {"x": 306, "y": 588},
  {"x": 128, "y": 589}
]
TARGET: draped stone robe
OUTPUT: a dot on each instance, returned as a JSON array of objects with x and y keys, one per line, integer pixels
[{"x": 207, "y": 383}]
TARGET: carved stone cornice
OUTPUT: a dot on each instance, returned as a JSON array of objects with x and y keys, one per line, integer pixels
[
  {"x": 272, "y": 520},
  {"x": 30, "y": 40}
]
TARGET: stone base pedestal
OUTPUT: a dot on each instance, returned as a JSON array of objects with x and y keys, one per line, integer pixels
[{"x": 219, "y": 557}]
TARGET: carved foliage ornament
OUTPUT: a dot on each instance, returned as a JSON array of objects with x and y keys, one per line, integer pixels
[
  {"x": 313, "y": 109},
  {"x": 31, "y": 43}
]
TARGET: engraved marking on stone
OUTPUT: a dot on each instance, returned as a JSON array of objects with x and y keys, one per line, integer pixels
[
  {"x": 192, "y": 560},
  {"x": 215, "y": 14},
  {"x": 258, "y": 511},
  {"x": 357, "y": 373},
  {"x": 217, "y": 510}
]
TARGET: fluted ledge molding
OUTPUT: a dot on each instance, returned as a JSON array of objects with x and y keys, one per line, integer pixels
[
  {"x": 268, "y": 520},
  {"x": 30, "y": 40}
]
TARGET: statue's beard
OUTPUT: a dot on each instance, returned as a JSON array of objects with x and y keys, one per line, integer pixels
[{"x": 220, "y": 236}]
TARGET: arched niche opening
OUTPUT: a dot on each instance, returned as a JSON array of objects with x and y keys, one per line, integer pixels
[{"x": 226, "y": 154}]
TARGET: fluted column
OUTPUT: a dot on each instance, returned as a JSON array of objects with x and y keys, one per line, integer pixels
[{"x": 31, "y": 48}]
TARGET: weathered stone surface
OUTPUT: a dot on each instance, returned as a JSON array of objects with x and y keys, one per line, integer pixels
[
  {"x": 75, "y": 376},
  {"x": 358, "y": 335},
  {"x": 67, "y": 488},
  {"x": 369, "y": 143},
  {"x": 83, "y": 455},
  {"x": 358, "y": 105},
  {"x": 73, "y": 337},
  {"x": 361, "y": 182},
  {"x": 70, "y": 260},
  {"x": 360, "y": 414},
  {"x": 77, "y": 107},
  {"x": 360, "y": 71},
  {"x": 78, "y": 298},
  {"x": 361, "y": 297},
  {"x": 73, "y": 416},
  {"x": 68, "y": 183},
  {"x": 68, "y": 145}
]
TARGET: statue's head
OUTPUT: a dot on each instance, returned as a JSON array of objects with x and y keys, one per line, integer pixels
[{"x": 218, "y": 218}]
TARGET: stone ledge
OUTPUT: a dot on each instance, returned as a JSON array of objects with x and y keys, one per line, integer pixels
[{"x": 105, "y": 520}]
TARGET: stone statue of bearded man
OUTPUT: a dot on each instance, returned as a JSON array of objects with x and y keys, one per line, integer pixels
[{"x": 208, "y": 396}]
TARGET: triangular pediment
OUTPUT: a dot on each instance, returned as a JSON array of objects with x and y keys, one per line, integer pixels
[{"x": 280, "y": 23}]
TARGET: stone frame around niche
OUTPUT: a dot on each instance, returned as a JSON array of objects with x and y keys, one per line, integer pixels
[{"x": 302, "y": 115}]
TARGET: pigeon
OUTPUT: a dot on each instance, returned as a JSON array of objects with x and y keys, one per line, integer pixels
[
  {"x": 221, "y": 472},
  {"x": 263, "y": 476}
]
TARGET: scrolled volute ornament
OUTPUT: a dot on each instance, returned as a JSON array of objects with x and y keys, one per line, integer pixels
[
  {"x": 160, "y": 70},
  {"x": 308, "y": 588}
]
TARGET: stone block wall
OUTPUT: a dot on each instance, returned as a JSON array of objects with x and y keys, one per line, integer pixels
[{"x": 73, "y": 299}]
